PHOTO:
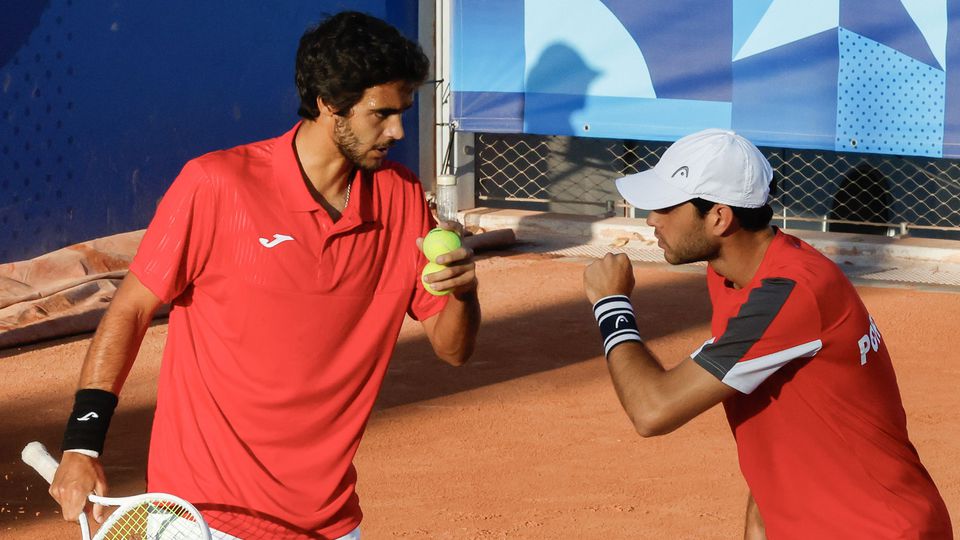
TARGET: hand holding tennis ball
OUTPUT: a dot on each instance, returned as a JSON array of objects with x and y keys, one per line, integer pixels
[
  {"x": 430, "y": 268},
  {"x": 439, "y": 241},
  {"x": 436, "y": 243}
]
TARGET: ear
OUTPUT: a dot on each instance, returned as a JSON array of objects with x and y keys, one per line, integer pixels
[
  {"x": 721, "y": 221},
  {"x": 325, "y": 110}
]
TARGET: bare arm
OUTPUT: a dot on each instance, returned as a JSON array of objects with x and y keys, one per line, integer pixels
[
  {"x": 754, "y": 529},
  {"x": 108, "y": 362},
  {"x": 453, "y": 331},
  {"x": 117, "y": 340},
  {"x": 657, "y": 400}
]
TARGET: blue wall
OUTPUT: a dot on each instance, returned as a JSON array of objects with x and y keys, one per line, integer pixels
[{"x": 102, "y": 102}]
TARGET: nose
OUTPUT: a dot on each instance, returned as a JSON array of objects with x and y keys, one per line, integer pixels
[
  {"x": 394, "y": 129},
  {"x": 652, "y": 218}
]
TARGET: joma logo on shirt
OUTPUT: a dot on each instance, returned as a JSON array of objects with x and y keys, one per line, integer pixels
[
  {"x": 277, "y": 239},
  {"x": 870, "y": 340}
]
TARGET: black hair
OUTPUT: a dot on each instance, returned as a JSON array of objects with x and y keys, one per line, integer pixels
[
  {"x": 349, "y": 52},
  {"x": 751, "y": 219}
]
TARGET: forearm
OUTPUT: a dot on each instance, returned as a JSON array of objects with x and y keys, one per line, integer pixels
[
  {"x": 117, "y": 340},
  {"x": 113, "y": 350},
  {"x": 636, "y": 373},
  {"x": 455, "y": 333},
  {"x": 660, "y": 400},
  {"x": 109, "y": 359},
  {"x": 656, "y": 399}
]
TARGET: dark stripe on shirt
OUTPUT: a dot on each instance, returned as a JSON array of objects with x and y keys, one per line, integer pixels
[{"x": 747, "y": 327}]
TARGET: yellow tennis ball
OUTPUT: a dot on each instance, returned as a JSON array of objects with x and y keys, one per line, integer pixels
[
  {"x": 439, "y": 241},
  {"x": 430, "y": 268}
]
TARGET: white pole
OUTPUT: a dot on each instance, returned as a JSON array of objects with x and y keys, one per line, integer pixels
[
  {"x": 442, "y": 151},
  {"x": 426, "y": 120},
  {"x": 442, "y": 124}
]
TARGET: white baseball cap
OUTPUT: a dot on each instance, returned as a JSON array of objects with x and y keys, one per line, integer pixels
[{"x": 714, "y": 164}]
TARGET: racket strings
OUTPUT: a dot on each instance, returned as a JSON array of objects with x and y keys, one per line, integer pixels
[{"x": 153, "y": 520}]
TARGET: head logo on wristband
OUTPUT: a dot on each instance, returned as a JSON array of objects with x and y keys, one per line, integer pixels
[{"x": 618, "y": 324}]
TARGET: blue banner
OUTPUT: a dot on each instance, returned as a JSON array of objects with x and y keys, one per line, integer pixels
[{"x": 866, "y": 76}]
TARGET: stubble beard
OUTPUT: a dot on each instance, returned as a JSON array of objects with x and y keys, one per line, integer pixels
[
  {"x": 350, "y": 146},
  {"x": 692, "y": 249}
]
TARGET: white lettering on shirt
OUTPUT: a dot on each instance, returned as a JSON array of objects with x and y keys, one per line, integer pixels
[{"x": 870, "y": 340}]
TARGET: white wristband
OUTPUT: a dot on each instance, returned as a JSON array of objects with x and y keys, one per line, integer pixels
[{"x": 90, "y": 453}]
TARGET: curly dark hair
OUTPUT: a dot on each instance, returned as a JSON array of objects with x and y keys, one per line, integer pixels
[{"x": 349, "y": 52}]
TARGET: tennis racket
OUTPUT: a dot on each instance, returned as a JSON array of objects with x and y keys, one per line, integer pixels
[{"x": 151, "y": 516}]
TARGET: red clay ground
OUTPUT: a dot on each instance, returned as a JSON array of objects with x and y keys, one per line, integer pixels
[{"x": 527, "y": 441}]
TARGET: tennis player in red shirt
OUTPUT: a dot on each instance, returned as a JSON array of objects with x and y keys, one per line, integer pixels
[
  {"x": 801, "y": 368},
  {"x": 290, "y": 264}
]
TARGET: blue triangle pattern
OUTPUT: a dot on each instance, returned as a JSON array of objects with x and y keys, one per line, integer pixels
[
  {"x": 889, "y": 23},
  {"x": 704, "y": 73},
  {"x": 746, "y": 15}
]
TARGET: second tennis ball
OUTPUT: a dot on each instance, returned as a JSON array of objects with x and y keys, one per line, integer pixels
[
  {"x": 430, "y": 268},
  {"x": 439, "y": 241}
]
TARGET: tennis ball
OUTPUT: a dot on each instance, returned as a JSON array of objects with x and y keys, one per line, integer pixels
[
  {"x": 439, "y": 241},
  {"x": 430, "y": 268}
]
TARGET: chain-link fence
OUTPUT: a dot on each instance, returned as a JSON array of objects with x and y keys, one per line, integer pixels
[{"x": 831, "y": 191}]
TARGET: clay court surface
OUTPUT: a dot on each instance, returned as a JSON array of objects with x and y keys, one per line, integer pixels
[{"x": 528, "y": 440}]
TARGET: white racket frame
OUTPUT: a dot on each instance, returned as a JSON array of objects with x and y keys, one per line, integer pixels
[{"x": 35, "y": 454}]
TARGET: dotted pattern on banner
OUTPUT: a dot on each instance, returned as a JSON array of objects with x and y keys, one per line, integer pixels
[
  {"x": 35, "y": 177},
  {"x": 887, "y": 102}
]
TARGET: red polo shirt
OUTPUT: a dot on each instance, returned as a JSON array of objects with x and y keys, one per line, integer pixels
[
  {"x": 820, "y": 428},
  {"x": 282, "y": 326}
]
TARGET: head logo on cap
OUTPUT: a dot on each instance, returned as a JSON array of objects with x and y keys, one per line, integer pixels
[{"x": 714, "y": 164}]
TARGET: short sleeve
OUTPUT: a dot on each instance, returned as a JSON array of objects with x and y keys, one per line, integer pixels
[
  {"x": 179, "y": 239},
  {"x": 779, "y": 323}
]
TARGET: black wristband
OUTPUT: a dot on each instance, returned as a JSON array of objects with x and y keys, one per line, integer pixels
[
  {"x": 87, "y": 427},
  {"x": 618, "y": 324}
]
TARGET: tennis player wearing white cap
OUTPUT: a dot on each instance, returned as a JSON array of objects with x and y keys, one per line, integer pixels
[{"x": 800, "y": 366}]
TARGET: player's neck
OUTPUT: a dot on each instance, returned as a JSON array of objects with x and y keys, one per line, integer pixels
[
  {"x": 741, "y": 255},
  {"x": 324, "y": 165}
]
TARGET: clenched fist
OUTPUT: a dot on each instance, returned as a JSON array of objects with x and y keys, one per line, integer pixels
[{"x": 613, "y": 274}]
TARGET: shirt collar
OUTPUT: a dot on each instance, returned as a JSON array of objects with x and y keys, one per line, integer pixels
[{"x": 288, "y": 177}]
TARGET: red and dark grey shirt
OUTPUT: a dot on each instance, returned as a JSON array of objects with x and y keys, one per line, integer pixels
[
  {"x": 281, "y": 329},
  {"x": 820, "y": 429}
]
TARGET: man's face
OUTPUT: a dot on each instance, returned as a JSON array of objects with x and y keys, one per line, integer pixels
[
  {"x": 682, "y": 235},
  {"x": 374, "y": 124}
]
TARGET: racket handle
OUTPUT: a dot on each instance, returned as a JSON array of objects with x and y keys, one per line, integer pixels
[{"x": 35, "y": 455}]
